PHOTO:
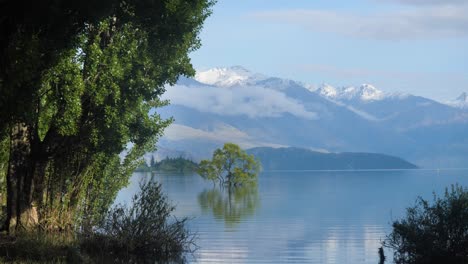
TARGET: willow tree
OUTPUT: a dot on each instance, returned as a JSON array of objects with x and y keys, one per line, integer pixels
[
  {"x": 230, "y": 166},
  {"x": 83, "y": 123}
]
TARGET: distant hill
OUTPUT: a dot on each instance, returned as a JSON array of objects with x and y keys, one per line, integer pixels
[
  {"x": 180, "y": 165},
  {"x": 304, "y": 159},
  {"x": 172, "y": 165}
]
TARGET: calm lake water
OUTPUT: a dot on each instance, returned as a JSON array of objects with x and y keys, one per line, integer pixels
[{"x": 298, "y": 216}]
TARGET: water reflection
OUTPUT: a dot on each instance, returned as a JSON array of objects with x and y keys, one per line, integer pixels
[
  {"x": 231, "y": 204},
  {"x": 300, "y": 217}
]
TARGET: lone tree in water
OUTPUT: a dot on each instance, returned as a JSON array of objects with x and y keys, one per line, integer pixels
[
  {"x": 230, "y": 166},
  {"x": 433, "y": 233}
]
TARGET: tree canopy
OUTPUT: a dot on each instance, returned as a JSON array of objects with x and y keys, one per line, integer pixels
[
  {"x": 230, "y": 166},
  {"x": 433, "y": 233},
  {"x": 77, "y": 81}
]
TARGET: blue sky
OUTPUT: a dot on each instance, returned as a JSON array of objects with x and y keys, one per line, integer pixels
[{"x": 415, "y": 46}]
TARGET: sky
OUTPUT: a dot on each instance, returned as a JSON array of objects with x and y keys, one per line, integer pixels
[{"x": 413, "y": 46}]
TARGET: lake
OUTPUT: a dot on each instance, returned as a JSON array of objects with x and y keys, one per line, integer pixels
[{"x": 298, "y": 216}]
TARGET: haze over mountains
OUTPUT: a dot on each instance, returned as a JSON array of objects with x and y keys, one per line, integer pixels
[{"x": 235, "y": 105}]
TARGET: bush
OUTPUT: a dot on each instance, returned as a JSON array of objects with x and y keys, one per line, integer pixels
[
  {"x": 433, "y": 233},
  {"x": 143, "y": 232}
]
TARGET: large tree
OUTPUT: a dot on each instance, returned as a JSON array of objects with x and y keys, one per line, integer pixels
[
  {"x": 33, "y": 36},
  {"x": 77, "y": 82}
]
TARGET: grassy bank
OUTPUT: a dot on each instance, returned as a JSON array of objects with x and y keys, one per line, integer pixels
[{"x": 144, "y": 232}]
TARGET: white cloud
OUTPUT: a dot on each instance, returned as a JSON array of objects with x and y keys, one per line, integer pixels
[
  {"x": 220, "y": 133},
  {"x": 429, "y": 2},
  {"x": 180, "y": 132},
  {"x": 251, "y": 101},
  {"x": 416, "y": 23}
]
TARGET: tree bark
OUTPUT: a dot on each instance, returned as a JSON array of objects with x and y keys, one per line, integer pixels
[
  {"x": 38, "y": 185},
  {"x": 20, "y": 211}
]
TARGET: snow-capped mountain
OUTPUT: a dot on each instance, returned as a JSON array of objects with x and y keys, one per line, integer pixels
[
  {"x": 400, "y": 111},
  {"x": 224, "y": 77},
  {"x": 235, "y": 105},
  {"x": 461, "y": 101},
  {"x": 328, "y": 91},
  {"x": 365, "y": 92}
]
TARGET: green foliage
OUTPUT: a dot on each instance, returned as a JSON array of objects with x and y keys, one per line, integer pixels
[
  {"x": 433, "y": 233},
  {"x": 83, "y": 82},
  {"x": 169, "y": 165},
  {"x": 236, "y": 173},
  {"x": 143, "y": 232},
  {"x": 230, "y": 166},
  {"x": 33, "y": 40},
  {"x": 178, "y": 165}
]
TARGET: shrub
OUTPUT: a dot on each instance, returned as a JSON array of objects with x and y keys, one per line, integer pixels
[
  {"x": 142, "y": 232},
  {"x": 433, "y": 233}
]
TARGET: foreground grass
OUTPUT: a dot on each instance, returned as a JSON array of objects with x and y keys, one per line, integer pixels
[
  {"x": 40, "y": 247},
  {"x": 143, "y": 232}
]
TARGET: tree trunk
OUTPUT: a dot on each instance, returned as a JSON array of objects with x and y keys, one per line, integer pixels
[
  {"x": 20, "y": 211},
  {"x": 38, "y": 184},
  {"x": 229, "y": 179}
]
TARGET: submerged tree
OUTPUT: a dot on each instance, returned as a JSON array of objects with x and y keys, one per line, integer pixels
[
  {"x": 433, "y": 233},
  {"x": 69, "y": 109},
  {"x": 230, "y": 166}
]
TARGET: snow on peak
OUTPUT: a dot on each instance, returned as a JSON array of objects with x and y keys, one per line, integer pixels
[
  {"x": 461, "y": 101},
  {"x": 227, "y": 76},
  {"x": 369, "y": 93},
  {"x": 327, "y": 91},
  {"x": 365, "y": 92}
]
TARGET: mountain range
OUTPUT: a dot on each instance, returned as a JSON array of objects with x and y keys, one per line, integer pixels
[
  {"x": 253, "y": 110},
  {"x": 304, "y": 159}
]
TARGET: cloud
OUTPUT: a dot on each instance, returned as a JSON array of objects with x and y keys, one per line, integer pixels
[
  {"x": 219, "y": 134},
  {"x": 429, "y": 2},
  {"x": 362, "y": 114},
  {"x": 251, "y": 101},
  {"x": 180, "y": 132},
  {"x": 417, "y": 23}
]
